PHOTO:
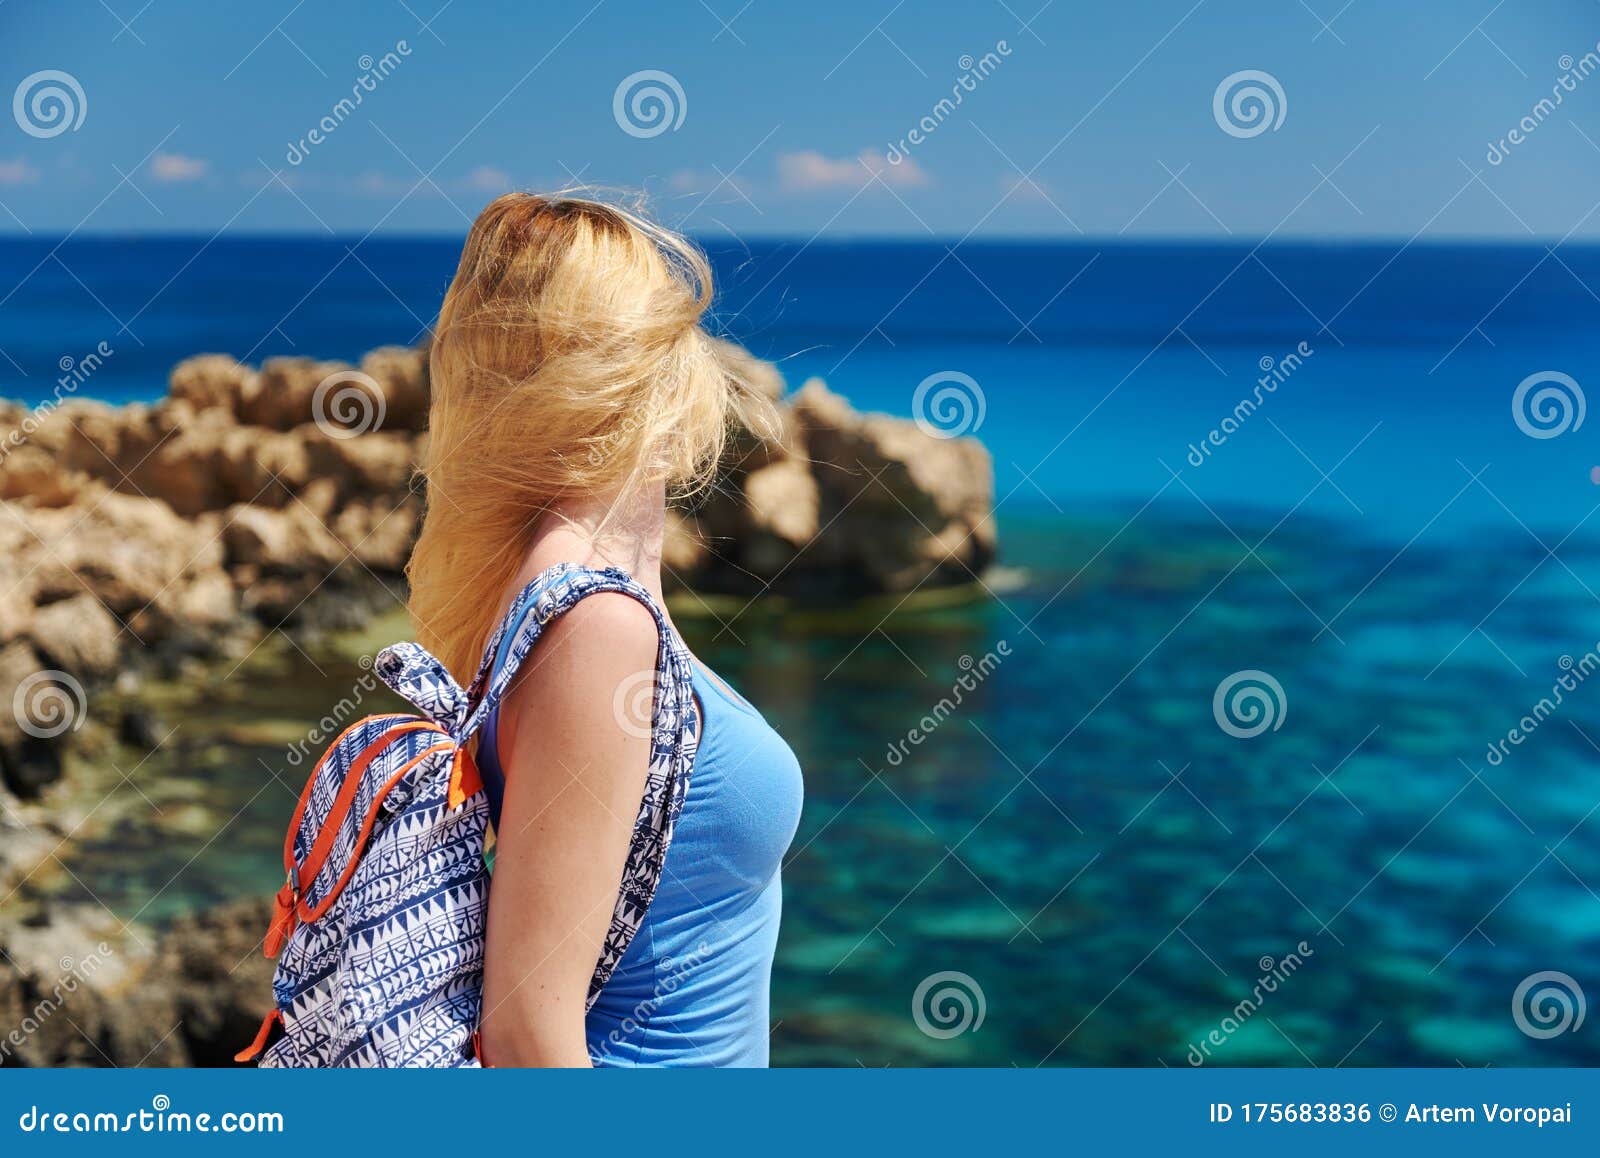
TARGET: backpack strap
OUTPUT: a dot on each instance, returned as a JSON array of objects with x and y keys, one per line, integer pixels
[
  {"x": 674, "y": 730},
  {"x": 549, "y": 595}
]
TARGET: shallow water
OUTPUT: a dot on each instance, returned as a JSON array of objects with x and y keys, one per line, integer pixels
[{"x": 1079, "y": 837}]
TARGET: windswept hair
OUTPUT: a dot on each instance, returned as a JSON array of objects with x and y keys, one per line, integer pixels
[{"x": 568, "y": 360}]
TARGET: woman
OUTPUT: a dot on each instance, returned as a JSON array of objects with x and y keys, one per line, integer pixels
[{"x": 572, "y": 389}]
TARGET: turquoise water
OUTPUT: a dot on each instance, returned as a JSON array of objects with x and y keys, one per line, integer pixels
[
  {"x": 1039, "y": 843},
  {"x": 1036, "y": 839},
  {"x": 1080, "y": 837}
]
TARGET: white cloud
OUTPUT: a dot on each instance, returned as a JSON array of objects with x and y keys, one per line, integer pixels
[
  {"x": 17, "y": 173},
  {"x": 809, "y": 171},
  {"x": 713, "y": 186},
  {"x": 488, "y": 179},
  {"x": 175, "y": 167}
]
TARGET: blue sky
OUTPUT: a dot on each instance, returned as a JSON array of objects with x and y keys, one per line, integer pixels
[{"x": 1095, "y": 119}]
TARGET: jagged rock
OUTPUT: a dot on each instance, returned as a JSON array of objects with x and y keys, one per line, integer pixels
[
  {"x": 29, "y": 472},
  {"x": 280, "y": 397},
  {"x": 16, "y": 613},
  {"x": 30, "y": 758},
  {"x": 150, "y": 533},
  {"x": 77, "y": 635},
  {"x": 78, "y": 990},
  {"x": 137, "y": 728},
  {"x": 221, "y": 979},
  {"x": 209, "y": 381},
  {"x": 402, "y": 372},
  {"x": 901, "y": 506},
  {"x": 291, "y": 541}
]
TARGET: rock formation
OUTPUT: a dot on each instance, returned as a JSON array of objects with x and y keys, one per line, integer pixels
[
  {"x": 285, "y": 497},
  {"x": 75, "y": 990}
]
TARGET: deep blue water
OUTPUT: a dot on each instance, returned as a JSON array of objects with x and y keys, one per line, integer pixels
[
  {"x": 1081, "y": 837},
  {"x": 1098, "y": 361}
]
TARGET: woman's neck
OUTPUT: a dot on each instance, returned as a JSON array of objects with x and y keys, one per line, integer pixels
[{"x": 617, "y": 530}]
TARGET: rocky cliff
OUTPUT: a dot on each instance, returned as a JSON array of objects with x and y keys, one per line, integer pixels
[{"x": 137, "y": 539}]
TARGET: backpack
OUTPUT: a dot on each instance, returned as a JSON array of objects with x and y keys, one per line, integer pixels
[{"x": 379, "y": 927}]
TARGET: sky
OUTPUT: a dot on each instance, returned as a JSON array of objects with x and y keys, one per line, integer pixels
[{"x": 1379, "y": 118}]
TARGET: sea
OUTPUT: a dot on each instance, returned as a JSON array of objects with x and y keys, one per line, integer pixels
[{"x": 1271, "y": 739}]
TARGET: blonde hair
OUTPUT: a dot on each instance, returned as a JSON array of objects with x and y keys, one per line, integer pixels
[{"x": 568, "y": 360}]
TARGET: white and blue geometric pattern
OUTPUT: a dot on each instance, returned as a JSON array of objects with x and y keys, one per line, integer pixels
[{"x": 391, "y": 973}]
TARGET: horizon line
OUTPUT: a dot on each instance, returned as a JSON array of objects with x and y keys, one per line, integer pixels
[{"x": 1152, "y": 239}]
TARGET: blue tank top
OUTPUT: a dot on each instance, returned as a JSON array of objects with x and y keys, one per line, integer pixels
[{"x": 692, "y": 988}]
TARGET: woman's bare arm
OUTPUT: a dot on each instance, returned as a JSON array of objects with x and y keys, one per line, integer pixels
[{"x": 574, "y": 779}]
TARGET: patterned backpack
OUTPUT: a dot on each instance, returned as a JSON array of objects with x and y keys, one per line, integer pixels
[{"x": 379, "y": 929}]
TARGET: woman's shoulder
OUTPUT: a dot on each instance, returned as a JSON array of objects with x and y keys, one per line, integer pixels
[{"x": 594, "y": 647}]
